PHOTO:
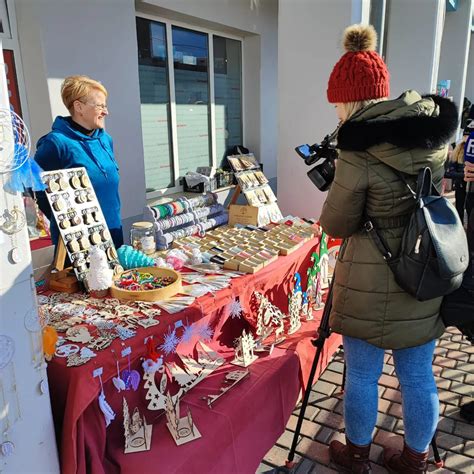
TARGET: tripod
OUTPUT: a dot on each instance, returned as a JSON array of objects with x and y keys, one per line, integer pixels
[{"x": 322, "y": 334}]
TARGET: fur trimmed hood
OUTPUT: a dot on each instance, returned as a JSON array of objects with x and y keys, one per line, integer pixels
[{"x": 410, "y": 121}]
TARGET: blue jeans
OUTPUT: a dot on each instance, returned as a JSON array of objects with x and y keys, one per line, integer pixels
[{"x": 420, "y": 404}]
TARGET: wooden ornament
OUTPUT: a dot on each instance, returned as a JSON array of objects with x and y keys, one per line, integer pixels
[
  {"x": 232, "y": 378},
  {"x": 76, "y": 220},
  {"x": 84, "y": 243},
  {"x": 78, "y": 334},
  {"x": 111, "y": 253},
  {"x": 75, "y": 182},
  {"x": 148, "y": 322},
  {"x": 244, "y": 350},
  {"x": 53, "y": 186},
  {"x": 58, "y": 205},
  {"x": 136, "y": 431},
  {"x": 65, "y": 224},
  {"x": 183, "y": 430},
  {"x": 63, "y": 184},
  {"x": 95, "y": 238},
  {"x": 269, "y": 320},
  {"x": 85, "y": 181}
]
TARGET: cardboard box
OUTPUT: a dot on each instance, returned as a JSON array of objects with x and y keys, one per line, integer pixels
[{"x": 245, "y": 215}]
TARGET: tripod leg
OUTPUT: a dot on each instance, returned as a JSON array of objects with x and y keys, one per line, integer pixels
[
  {"x": 437, "y": 458},
  {"x": 304, "y": 405},
  {"x": 323, "y": 334}
]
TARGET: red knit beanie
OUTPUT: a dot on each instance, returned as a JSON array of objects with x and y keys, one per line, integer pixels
[{"x": 361, "y": 73}]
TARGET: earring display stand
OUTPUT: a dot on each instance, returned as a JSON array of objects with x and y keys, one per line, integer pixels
[
  {"x": 81, "y": 225},
  {"x": 262, "y": 205}
]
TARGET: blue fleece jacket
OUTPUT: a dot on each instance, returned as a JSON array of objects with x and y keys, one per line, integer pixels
[{"x": 66, "y": 147}]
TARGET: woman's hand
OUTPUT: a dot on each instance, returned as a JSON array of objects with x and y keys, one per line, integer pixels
[{"x": 468, "y": 171}]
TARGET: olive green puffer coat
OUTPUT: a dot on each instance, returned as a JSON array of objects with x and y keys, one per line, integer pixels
[{"x": 406, "y": 134}]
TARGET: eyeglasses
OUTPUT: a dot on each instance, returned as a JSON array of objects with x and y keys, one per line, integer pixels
[{"x": 102, "y": 107}]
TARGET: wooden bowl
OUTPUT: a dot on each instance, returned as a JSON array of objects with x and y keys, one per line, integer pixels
[{"x": 150, "y": 295}]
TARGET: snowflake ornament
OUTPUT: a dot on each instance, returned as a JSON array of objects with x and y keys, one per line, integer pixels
[
  {"x": 170, "y": 342},
  {"x": 188, "y": 333},
  {"x": 235, "y": 309},
  {"x": 205, "y": 332}
]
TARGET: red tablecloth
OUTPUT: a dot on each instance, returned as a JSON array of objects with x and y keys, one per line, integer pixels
[{"x": 241, "y": 427}]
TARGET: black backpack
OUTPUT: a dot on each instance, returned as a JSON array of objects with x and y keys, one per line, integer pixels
[{"x": 433, "y": 254}]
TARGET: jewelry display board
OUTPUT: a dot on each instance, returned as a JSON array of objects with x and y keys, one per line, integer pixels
[
  {"x": 79, "y": 217},
  {"x": 253, "y": 183}
]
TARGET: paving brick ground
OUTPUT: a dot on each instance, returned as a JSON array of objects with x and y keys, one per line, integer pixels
[{"x": 454, "y": 369}]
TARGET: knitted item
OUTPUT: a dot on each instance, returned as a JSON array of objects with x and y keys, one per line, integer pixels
[
  {"x": 131, "y": 258},
  {"x": 361, "y": 73}
]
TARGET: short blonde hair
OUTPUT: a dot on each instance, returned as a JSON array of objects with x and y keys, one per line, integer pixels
[
  {"x": 77, "y": 88},
  {"x": 350, "y": 108}
]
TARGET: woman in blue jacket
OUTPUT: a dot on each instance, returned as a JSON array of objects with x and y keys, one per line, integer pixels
[{"x": 81, "y": 141}]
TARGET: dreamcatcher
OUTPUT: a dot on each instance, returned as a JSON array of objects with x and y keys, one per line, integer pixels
[
  {"x": 15, "y": 146},
  {"x": 15, "y": 141}
]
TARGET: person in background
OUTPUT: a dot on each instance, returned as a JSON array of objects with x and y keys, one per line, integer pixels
[
  {"x": 378, "y": 139},
  {"x": 467, "y": 410},
  {"x": 467, "y": 112},
  {"x": 80, "y": 140},
  {"x": 455, "y": 171}
]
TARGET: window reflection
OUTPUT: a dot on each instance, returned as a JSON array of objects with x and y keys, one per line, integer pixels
[
  {"x": 191, "y": 76},
  {"x": 227, "y": 94},
  {"x": 155, "y": 104}
]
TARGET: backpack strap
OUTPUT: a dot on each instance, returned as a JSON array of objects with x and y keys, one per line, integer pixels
[
  {"x": 424, "y": 187},
  {"x": 378, "y": 239},
  {"x": 424, "y": 183}
]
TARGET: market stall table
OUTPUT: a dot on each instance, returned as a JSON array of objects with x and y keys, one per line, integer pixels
[{"x": 241, "y": 426}]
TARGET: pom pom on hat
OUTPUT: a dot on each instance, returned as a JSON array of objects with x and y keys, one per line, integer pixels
[
  {"x": 361, "y": 73},
  {"x": 360, "y": 38}
]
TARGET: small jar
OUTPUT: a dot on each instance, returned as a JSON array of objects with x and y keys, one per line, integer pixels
[{"x": 142, "y": 237}]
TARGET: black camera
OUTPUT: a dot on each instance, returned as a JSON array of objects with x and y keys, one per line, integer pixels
[{"x": 324, "y": 155}]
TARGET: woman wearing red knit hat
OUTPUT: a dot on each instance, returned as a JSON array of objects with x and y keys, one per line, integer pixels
[{"x": 380, "y": 140}]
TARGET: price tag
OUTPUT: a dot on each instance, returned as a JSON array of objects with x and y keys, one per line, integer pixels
[
  {"x": 126, "y": 351},
  {"x": 98, "y": 372}
]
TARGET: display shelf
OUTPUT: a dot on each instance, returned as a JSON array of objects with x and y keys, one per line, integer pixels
[{"x": 185, "y": 217}]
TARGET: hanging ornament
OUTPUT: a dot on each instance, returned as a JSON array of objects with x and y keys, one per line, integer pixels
[
  {"x": 235, "y": 309},
  {"x": 131, "y": 377},
  {"x": 170, "y": 342},
  {"x": 205, "y": 332},
  {"x": 119, "y": 384},
  {"x": 188, "y": 333},
  {"x": 109, "y": 414}
]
